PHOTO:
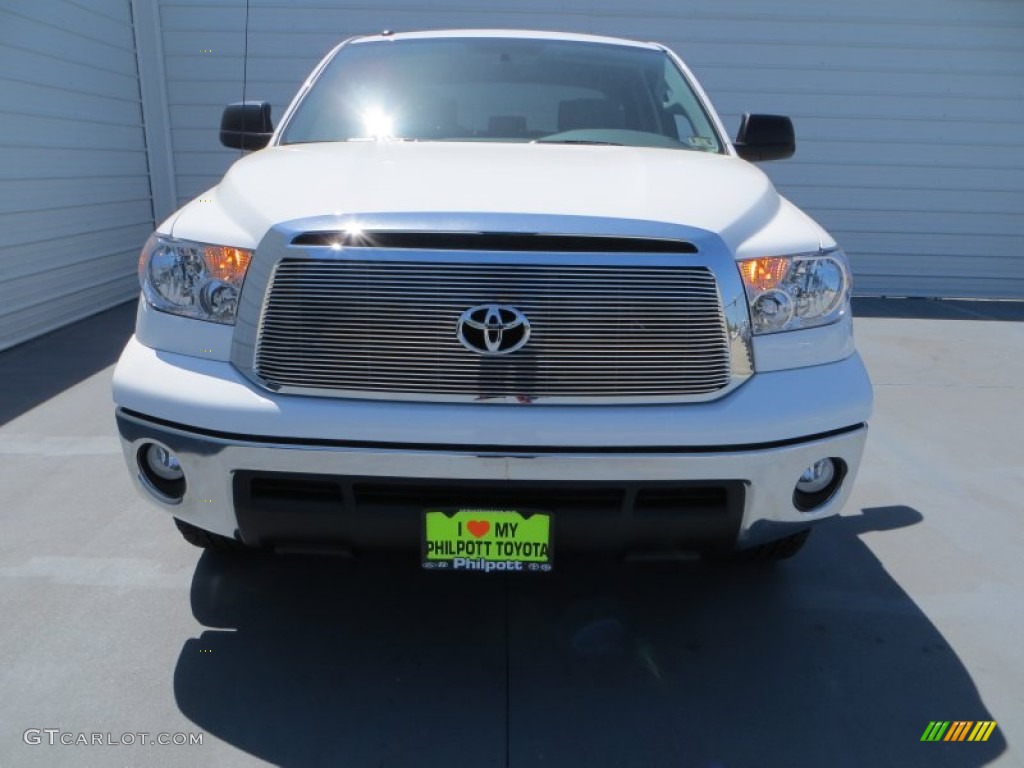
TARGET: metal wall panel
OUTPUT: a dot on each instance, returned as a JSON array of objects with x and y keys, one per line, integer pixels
[
  {"x": 74, "y": 182},
  {"x": 908, "y": 115}
]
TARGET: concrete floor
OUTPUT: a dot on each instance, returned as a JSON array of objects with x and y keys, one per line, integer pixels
[{"x": 906, "y": 609}]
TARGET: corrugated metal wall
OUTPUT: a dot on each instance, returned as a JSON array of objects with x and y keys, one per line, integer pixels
[
  {"x": 909, "y": 142},
  {"x": 909, "y": 115},
  {"x": 74, "y": 182},
  {"x": 909, "y": 118}
]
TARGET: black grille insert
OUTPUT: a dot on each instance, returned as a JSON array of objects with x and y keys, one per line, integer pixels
[
  {"x": 373, "y": 512},
  {"x": 494, "y": 241}
]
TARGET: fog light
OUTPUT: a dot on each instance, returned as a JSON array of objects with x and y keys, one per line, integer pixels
[
  {"x": 818, "y": 483},
  {"x": 164, "y": 463},
  {"x": 817, "y": 476},
  {"x": 162, "y": 472}
]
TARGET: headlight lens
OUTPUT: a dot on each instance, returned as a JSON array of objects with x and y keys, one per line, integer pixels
[
  {"x": 194, "y": 280},
  {"x": 790, "y": 292}
]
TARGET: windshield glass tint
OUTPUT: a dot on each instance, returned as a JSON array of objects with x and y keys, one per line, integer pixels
[{"x": 519, "y": 90}]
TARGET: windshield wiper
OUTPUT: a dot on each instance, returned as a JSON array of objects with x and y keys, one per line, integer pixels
[{"x": 579, "y": 141}]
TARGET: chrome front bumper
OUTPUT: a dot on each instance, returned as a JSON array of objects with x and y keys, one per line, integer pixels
[{"x": 766, "y": 472}]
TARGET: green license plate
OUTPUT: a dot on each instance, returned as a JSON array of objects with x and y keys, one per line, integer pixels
[{"x": 487, "y": 540}]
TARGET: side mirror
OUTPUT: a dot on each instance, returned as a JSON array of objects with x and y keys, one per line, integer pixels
[
  {"x": 765, "y": 137},
  {"x": 246, "y": 125}
]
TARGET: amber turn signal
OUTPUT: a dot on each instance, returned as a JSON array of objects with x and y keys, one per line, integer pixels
[
  {"x": 764, "y": 274},
  {"x": 226, "y": 263}
]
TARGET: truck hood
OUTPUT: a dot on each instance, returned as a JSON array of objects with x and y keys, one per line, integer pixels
[{"x": 718, "y": 193}]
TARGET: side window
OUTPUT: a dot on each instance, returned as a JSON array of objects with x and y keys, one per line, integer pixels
[
  {"x": 691, "y": 122},
  {"x": 684, "y": 128}
]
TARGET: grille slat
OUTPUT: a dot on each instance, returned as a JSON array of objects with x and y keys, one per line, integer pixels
[
  {"x": 415, "y": 354},
  {"x": 339, "y": 326},
  {"x": 566, "y": 375},
  {"x": 417, "y": 338}
]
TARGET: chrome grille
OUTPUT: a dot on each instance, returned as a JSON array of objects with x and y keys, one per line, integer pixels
[{"x": 348, "y": 327}]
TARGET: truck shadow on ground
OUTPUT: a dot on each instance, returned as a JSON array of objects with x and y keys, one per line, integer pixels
[{"x": 822, "y": 661}]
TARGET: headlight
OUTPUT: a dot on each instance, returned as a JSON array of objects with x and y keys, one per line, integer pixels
[
  {"x": 194, "y": 280},
  {"x": 790, "y": 292}
]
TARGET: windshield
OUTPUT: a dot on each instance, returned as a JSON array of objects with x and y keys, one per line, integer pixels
[{"x": 506, "y": 90}]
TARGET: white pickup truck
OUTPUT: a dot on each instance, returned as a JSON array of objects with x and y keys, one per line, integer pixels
[{"x": 485, "y": 295}]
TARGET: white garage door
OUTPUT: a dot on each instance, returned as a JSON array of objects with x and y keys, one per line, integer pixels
[
  {"x": 74, "y": 184},
  {"x": 909, "y": 116}
]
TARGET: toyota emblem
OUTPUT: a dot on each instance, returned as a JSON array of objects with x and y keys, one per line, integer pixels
[{"x": 493, "y": 329}]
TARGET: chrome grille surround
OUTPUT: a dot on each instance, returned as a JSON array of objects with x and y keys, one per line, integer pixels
[{"x": 380, "y": 323}]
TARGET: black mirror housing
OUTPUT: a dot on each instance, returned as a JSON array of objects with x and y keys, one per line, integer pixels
[
  {"x": 246, "y": 125},
  {"x": 765, "y": 137}
]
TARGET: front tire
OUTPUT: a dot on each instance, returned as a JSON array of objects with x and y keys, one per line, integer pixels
[
  {"x": 197, "y": 537},
  {"x": 780, "y": 549},
  {"x": 773, "y": 551}
]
